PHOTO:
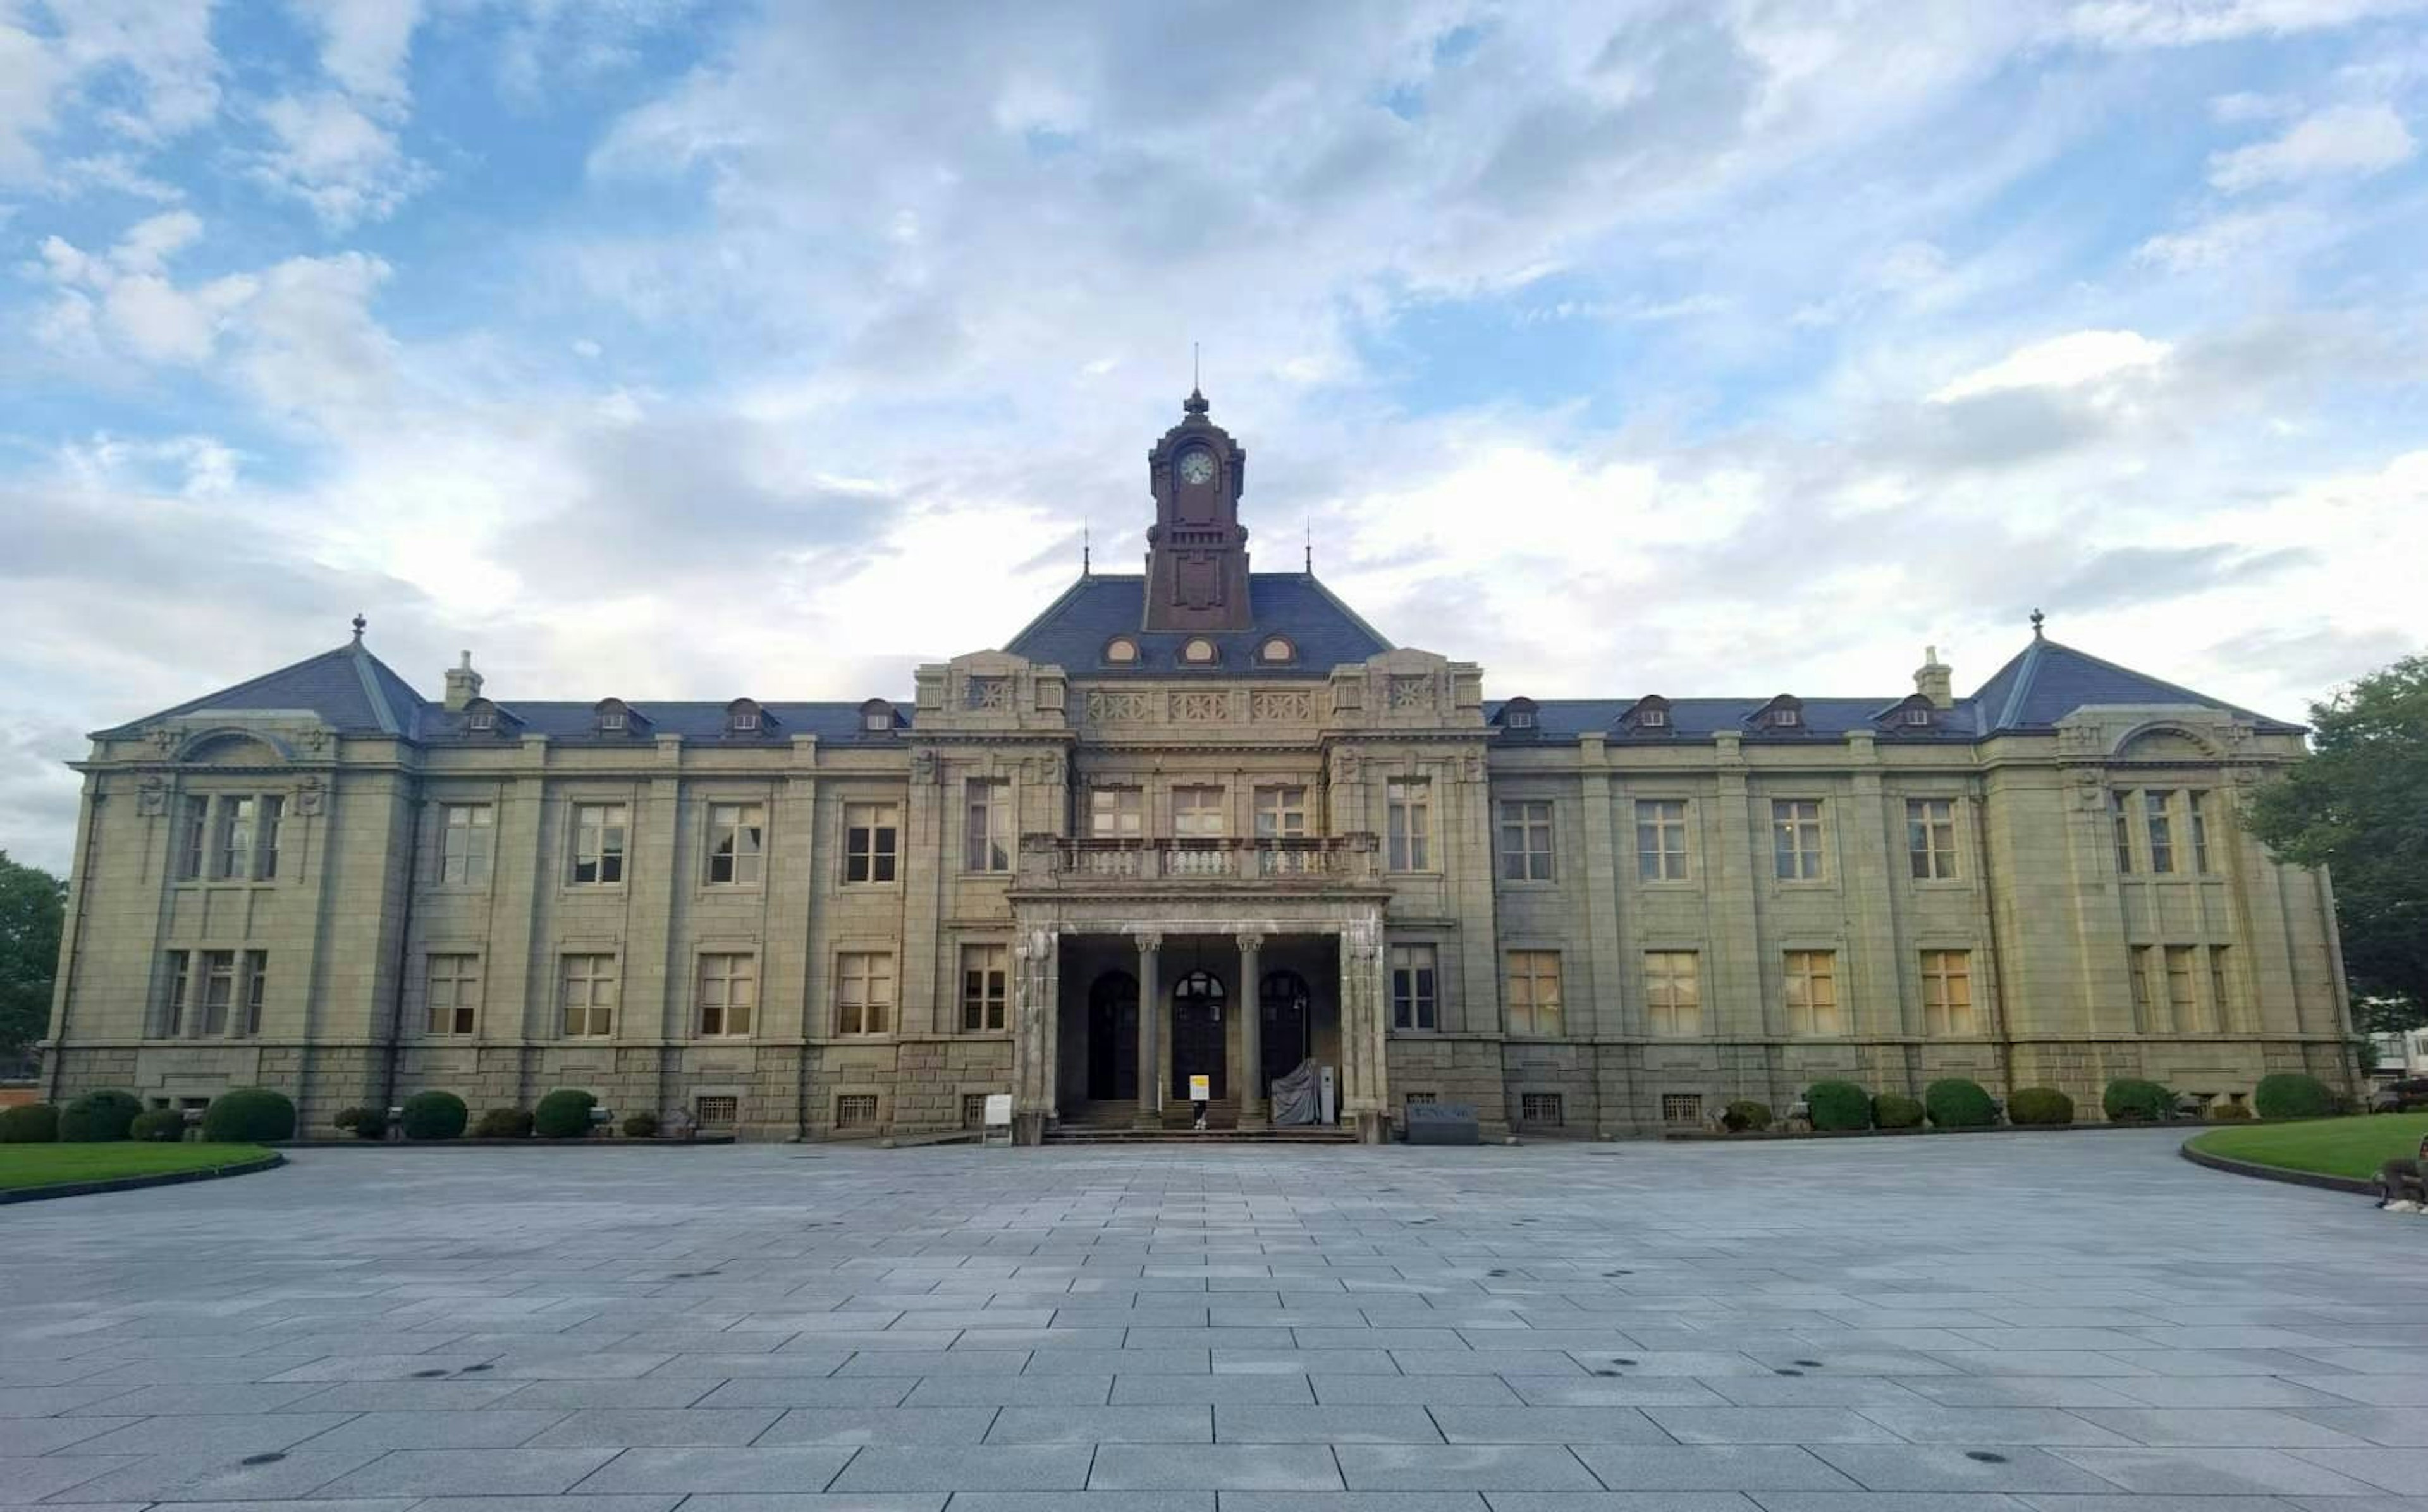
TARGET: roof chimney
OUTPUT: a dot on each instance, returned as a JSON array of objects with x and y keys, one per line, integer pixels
[
  {"x": 463, "y": 685},
  {"x": 1935, "y": 680}
]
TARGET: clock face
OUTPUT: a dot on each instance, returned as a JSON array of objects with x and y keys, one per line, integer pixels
[{"x": 1197, "y": 467}]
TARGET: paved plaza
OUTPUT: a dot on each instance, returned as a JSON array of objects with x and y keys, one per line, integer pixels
[{"x": 2050, "y": 1321}]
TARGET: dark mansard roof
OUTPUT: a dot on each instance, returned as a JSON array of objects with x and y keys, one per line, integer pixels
[{"x": 1076, "y": 628}]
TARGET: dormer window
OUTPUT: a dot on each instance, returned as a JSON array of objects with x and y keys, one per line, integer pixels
[
  {"x": 1651, "y": 712},
  {"x": 1653, "y": 719},
  {"x": 744, "y": 720},
  {"x": 1916, "y": 718},
  {"x": 1787, "y": 719},
  {"x": 1198, "y": 652},
  {"x": 1785, "y": 712},
  {"x": 877, "y": 717},
  {"x": 1518, "y": 714},
  {"x": 744, "y": 716},
  {"x": 1277, "y": 650},
  {"x": 1120, "y": 651},
  {"x": 616, "y": 716},
  {"x": 481, "y": 717},
  {"x": 611, "y": 721}
]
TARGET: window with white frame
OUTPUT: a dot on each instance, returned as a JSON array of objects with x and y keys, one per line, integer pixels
[
  {"x": 1415, "y": 986},
  {"x": 598, "y": 844},
  {"x": 869, "y": 841},
  {"x": 1795, "y": 838},
  {"x": 589, "y": 991},
  {"x": 232, "y": 840},
  {"x": 1531, "y": 989},
  {"x": 1116, "y": 814},
  {"x": 986, "y": 825},
  {"x": 729, "y": 993},
  {"x": 2196, "y": 801},
  {"x": 218, "y": 990},
  {"x": 1660, "y": 839},
  {"x": 1947, "y": 995},
  {"x": 1408, "y": 824},
  {"x": 242, "y": 839},
  {"x": 256, "y": 991},
  {"x": 1810, "y": 987},
  {"x": 1673, "y": 992},
  {"x": 1930, "y": 838},
  {"x": 2158, "y": 814},
  {"x": 986, "y": 975},
  {"x": 1197, "y": 813},
  {"x": 737, "y": 844},
  {"x": 863, "y": 992},
  {"x": 1526, "y": 841},
  {"x": 465, "y": 832},
  {"x": 1281, "y": 813},
  {"x": 453, "y": 993}
]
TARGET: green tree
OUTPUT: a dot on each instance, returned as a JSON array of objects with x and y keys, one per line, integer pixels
[
  {"x": 2360, "y": 805},
  {"x": 33, "y": 908}
]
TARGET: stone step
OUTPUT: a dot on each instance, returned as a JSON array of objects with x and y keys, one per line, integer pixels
[{"x": 1065, "y": 1133}]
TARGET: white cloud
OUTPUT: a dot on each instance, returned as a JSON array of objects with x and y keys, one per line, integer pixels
[
  {"x": 2187, "y": 23},
  {"x": 2223, "y": 241},
  {"x": 365, "y": 46},
  {"x": 335, "y": 158},
  {"x": 2339, "y": 141},
  {"x": 148, "y": 70},
  {"x": 2070, "y": 361}
]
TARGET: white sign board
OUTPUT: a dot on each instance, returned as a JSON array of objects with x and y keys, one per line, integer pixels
[
  {"x": 998, "y": 1110},
  {"x": 1200, "y": 1089}
]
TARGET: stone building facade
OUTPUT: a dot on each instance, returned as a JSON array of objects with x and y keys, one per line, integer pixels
[{"x": 1201, "y": 820}]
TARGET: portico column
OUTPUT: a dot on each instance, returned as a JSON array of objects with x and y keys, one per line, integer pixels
[
  {"x": 1150, "y": 1071},
  {"x": 1252, "y": 1032}
]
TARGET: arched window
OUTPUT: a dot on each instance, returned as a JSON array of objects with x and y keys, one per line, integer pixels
[
  {"x": 1199, "y": 652},
  {"x": 1120, "y": 651},
  {"x": 1198, "y": 987},
  {"x": 1277, "y": 650}
]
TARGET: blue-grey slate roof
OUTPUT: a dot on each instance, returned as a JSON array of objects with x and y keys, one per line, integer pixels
[
  {"x": 2046, "y": 681},
  {"x": 1071, "y": 632},
  {"x": 354, "y": 692},
  {"x": 692, "y": 720}
]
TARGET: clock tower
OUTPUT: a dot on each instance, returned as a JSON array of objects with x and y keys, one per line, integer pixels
[{"x": 1197, "y": 549}]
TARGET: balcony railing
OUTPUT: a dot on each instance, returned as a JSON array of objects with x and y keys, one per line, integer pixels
[{"x": 1047, "y": 859}]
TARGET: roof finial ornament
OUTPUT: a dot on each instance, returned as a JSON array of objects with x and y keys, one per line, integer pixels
[
  {"x": 360, "y": 626},
  {"x": 2036, "y": 618},
  {"x": 1086, "y": 548},
  {"x": 1310, "y": 545},
  {"x": 1195, "y": 403}
]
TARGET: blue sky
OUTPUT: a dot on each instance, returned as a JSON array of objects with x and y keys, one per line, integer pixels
[{"x": 662, "y": 349}]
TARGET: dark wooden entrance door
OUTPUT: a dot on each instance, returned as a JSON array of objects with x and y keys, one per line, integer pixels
[
  {"x": 1288, "y": 1012},
  {"x": 1197, "y": 1033},
  {"x": 1112, "y": 1037}
]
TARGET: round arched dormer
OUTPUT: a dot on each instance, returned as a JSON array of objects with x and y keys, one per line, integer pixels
[
  {"x": 1120, "y": 651},
  {"x": 1197, "y": 651},
  {"x": 1276, "y": 651}
]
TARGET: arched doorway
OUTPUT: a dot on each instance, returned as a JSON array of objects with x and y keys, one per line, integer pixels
[
  {"x": 1197, "y": 1033},
  {"x": 1289, "y": 1026},
  {"x": 1112, "y": 1037}
]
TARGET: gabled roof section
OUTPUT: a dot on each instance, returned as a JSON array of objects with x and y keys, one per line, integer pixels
[
  {"x": 348, "y": 688},
  {"x": 2047, "y": 681},
  {"x": 1073, "y": 630}
]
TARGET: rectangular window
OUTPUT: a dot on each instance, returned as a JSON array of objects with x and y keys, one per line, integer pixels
[
  {"x": 256, "y": 989},
  {"x": 1533, "y": 992},
  {"x": 2183, "y": 1004},
  {"x": 868, "y": 841},
  {"x": 2198, "y": 803},
  {"x": 1409, "y": 822},
  {"x": 181, "y": 987},
  {"x": 1795, "y": 838},
  {"x": 1930, "y": 838},
  {"x": 856, "y": 1109},
  {"x": 1413, "y": 988},
  {"x": 2157, "y": 805},
  {"x": 598, "y": 844},
  {"x": 1540, "y": 1108},
  {"x": 589, "y": 993},
  {"x": 1281, "y": 813},
  {"x": 218, "y": 989},
  {"x": 1660, "y": 839},
  {"x": 2221, "y": 987},
  {"x": 716, "y": 1113},
  {"x": 729, "y": 993},
  {"x": 1197, "y": 813},
  {"x": 986, "y": 825},
  {"x": 1947, "y": 994},
  {"x": 737, "y": 844},
  {"x": 863, "y": 992},
  {"x": 232, "y": 846},
  {"x": 986, "y": 975},
  {"x": 1526, "y": 841},
  {"x": 974, "y": 1110},
  {"x": 1682, "y": 1107},
  {"x": 1116, "y": 814},
  {"x": 1810, "y": 985},
  {"x": 465, "y": 833},
  {"x": 454, "y": 994},
  {"x": 2121, "y": 825},
  {"x": 193, "y": 836},
  {"x": 1673, "y": 992},
  {"x": 269, "y": 822},
  {"x": 2137, "y": 974}
]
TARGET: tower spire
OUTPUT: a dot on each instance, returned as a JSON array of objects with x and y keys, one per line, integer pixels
[
  {"x": 1085, "y": 549},
  {"x": 1310, "y": 545}
]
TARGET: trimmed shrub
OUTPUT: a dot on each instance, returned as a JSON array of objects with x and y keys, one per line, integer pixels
[
  {"x": 2293, "y": 1095},
  {"x": 434, "y": 1115},
  {"x": 249, "y": 1116},
  {"x": 1741, "y": 1117},
  {"x": 98, "y": 1118},
  {"x": 563, "y": 1114},
  {"x": 641, "y": 1126},
  {"x": 348, "y": 1117},
  {"x": 2228, "y": 1112},
  {"x": 369, "y": 1123},
  {"x": 1954, "y": 1102},
  {"x": 505, "y": 1123},
  {"x": 161, "y": 1126},
  {"x": 30, "y": 1123},
  {"x": 1894, "y": 1110},
  {"x": 1837, "y": 1105},
  {"x": 2132, "y": 1100},
  {"x": 2039, "y": 1106}
]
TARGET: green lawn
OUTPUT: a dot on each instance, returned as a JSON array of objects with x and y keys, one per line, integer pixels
[
  {"x": 2337, "y": 1146},
  {"x": 25, "y": 1165}
]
